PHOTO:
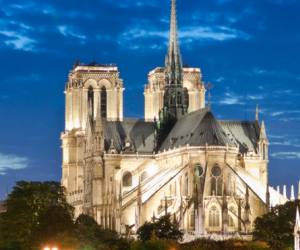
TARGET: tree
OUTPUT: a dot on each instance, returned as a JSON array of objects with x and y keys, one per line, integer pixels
[
  {"x": 30, "y": 205},
  {"x": 277, "y": 226},
  {"x": 38, "y": 215},
  {"x": 93, "y": 236},
  {"x": 55, "y": 227},
  {"x": 163, "y": 228}
]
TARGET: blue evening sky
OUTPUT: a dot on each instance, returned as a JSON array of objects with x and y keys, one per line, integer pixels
[{"x": 249, "y": 50}]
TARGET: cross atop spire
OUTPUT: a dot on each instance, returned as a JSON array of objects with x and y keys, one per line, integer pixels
[{"x": 173, "y": 58}]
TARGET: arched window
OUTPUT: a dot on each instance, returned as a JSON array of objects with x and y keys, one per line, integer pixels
[
  {"x": 179, "y": 98},
  {"x": 91, "y": 101},
  {"x": 127, "y": 180},
  {"x": 192, "y": 219},
  {"x": 231, "y": 221},
  {"x": 231, "y": 216},
  {"x": 216, "y": 181},
  {"x": 199, "y": 170},
  {"x": 214, "y": 217},
  {"x": 173, "y": 99},
  {"x": 103, "y": 102},
  {"x": 186, "y": 185}
]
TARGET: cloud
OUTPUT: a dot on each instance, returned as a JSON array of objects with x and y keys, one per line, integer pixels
[
  {"x": 134, "y": 3},
  {"x": 275, "y": 73},
  {"x": 284, "y": 141},
  {"x": 286, "y": 155},
  {"x": 186, "y": 35},
  {"x": 255, "y": 97},
  {"x": 231, "y": 99},
  {"x": 12, "y": 162},
  {"x": 18, "y": 41},
  {"x": 286, "y": 112},
  {"x": 69, "y": 32},
  {"x": 220, "y": 79}
]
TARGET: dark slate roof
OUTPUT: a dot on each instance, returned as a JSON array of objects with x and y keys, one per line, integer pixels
[
  {"x": 198, "y": 128},
  {"x": 243, "y": 133},
  {"x": 139, "y": 133}
]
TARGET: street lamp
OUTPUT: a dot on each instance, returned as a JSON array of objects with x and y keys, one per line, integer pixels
[{"x": 50, "y": 248}]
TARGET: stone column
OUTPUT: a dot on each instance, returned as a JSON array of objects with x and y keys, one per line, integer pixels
[{"x": 84, "y": 104}]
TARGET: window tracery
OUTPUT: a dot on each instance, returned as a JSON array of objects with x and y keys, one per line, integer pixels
[
  {"x": 216, "y": 180},
  {"x": 214, "y": 217},
  {"x": 127, "y": 179}
]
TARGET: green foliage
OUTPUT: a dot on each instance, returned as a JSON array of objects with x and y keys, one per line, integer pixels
[
  {"x": 92, "y": 235},
  {"x": 223, "y": 245},
  {"x": 55, "y": 226},
  {"x": 38, "y": 215},
  {"x": 26, "y": 208},
  {"x": 163, "y": 228},
  {"x": 154, "y": 244},
  {"x": 277, "y": 226},
  {"x": 157, "y": 244}
]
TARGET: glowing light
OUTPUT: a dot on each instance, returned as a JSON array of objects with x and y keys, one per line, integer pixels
[
  {"x": 152, "y": 169},
  {"x": 50, "y": 248}
]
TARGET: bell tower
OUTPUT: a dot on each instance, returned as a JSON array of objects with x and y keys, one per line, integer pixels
[{"x": 93, "y": 92}]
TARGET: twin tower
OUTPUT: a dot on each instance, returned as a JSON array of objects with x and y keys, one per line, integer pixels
[{"x": 174, "y": 89}]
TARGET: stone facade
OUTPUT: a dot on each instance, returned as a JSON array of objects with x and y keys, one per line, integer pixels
[{"x": 210, "y": 175}]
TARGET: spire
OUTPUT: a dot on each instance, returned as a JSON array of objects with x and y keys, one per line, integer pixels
[
  {"x": 284, "y": 192},
  {"x": 263, "y": 133},
  {"x": 173, "y": 58},
  {"x": 176, "y": 99},
  {"x": 292, "y": 193},
  {"x": 278, "y": 189},
  {"x": 257, "y": 113}
]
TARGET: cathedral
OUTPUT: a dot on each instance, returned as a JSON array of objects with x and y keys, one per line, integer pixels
[{"x": 210, "y": 175}]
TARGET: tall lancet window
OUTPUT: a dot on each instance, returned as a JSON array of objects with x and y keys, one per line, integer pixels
[
  {"x": 216, "y": 181},
  {"x": 103, "y": 102},
  {"x": 91, "y": 102},
  {"x": 214, "y": 217}
]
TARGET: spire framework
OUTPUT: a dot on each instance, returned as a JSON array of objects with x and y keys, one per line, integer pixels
[
  {"x": 176, "y": 99},
  {"x": 173, "y": 58}
]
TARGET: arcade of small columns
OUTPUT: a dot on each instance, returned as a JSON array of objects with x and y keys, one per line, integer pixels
[{"x": 99, "y": 80}]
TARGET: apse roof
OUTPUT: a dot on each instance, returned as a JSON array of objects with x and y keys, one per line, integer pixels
[{"x": 199, "y": 128}]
